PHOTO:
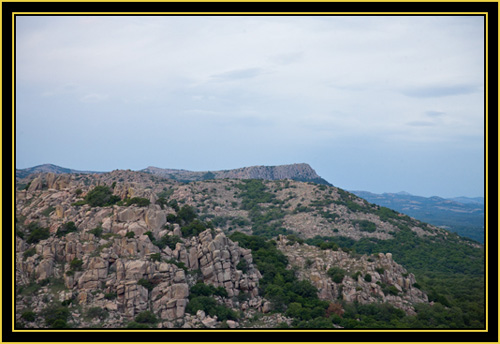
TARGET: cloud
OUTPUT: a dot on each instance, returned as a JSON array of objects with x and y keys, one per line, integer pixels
[
  {"x": 238, "y": 74},
  {"x": 439, "y": 91},
  {"x": 434, "y": 114},
  {"x": 421, "y": 124},
  {"x": 93, "y": 98}
]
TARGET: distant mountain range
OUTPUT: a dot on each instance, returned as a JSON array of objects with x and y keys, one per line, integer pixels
[
  {"x": 299, "y": 172},
  {"x": 462, "y": 215},
  {"x": 47, "y": 168}
]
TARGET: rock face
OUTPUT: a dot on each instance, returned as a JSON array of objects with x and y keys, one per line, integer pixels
[
  {"x": 301, "y": 172},
  {"x": 112, "y": 258},
  {"x": 367, "y": 279}
]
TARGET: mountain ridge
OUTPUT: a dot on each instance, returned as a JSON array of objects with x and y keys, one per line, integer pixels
[
  {"x": 298, "y": 171},
  {"x": 462, "y": 215}
]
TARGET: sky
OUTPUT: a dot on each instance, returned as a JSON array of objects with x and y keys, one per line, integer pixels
[{"x": 373, "y": 103}]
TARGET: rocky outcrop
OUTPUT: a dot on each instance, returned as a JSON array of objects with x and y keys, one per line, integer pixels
[
  {"x": 113, "y": 259},
  {"x": 302, "y": 172},
  {"x": 368, "y": 279}
]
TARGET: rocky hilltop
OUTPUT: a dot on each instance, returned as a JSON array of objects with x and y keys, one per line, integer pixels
[
  {"x": 133, "y": 249},
  {"x": 46, "y": 168},
  {"x": 300, "y": 172}
]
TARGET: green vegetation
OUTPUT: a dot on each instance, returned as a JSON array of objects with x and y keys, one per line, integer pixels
[
  {"x": 36, "y": 233},
  {"x": 66, "y": 228},
  {"x": 28, "y": 316},
  {"x": 101, "y": 196},
  {"x": 365, "y": 225},
  {"x": 56, "y": 316},
  {"x": 48, "y": 211},
  {"x": 96, "y": 231},
  {"x": 145, "y": 319},
  {"x": 76, "y": 264},
  {"x": 149, "y": 285},
  {"x": 450, "y": 271},
  {"x": 201, "y": 298},
  {"x": 266, "y": 222},
  {"x": 336, "y": 274},
  {"x": 279, "y": 285},
  {"x": 138, "y": 201},
  {"x": 96, "y": 313}
]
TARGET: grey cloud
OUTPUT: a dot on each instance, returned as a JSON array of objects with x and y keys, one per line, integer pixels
[
  {"x": 420, "y": 124},
  {"x": 238, "y": 74},
  {"x": 439, "y": 91},
  {"x": 434, "y": 114}
]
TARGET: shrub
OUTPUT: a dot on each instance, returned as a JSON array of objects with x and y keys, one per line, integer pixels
[
  {"x": 29, "y": 252},
  {"x": 146, "y": 317},
  {"x": 130, "y": 235},
  {"x": 155, "y": 257},
  {"x": 37, "y": 233},
  {"x": 242, "y": 265},
  {"x": 110, "y": 296},
  {"x": 140, "y": 202},
  {"x": 336, "y": 274},
  {"x": 193, "y": 228},
  {"x": 368, "y": 278},
  {"x": 66, "y": 228},
  {"x": 101, "y": 196},
  {"x": 146, "y": 284},
  {"x": 96, "y": 312},
  {"x": 134, "y": 324},
  {"x": 76, "y": 264},
  {"x": 28, "y": 316},
  {"x": 365, "y": 225},
  {"x": 96, "y": 231},
  {"x": 56, "y": 316}
]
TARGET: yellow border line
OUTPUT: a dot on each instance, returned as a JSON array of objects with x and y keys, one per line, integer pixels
[
  {"x": 14, "y": 14},
  {"x": 248, "y": 13}
]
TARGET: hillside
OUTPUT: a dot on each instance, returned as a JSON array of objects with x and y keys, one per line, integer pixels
[
  {"x": 299, "y": 172},
  {"x": 464, "y": 216},
  {"x": 47, "y": 168},
  {"x": 133, "y": 249}
]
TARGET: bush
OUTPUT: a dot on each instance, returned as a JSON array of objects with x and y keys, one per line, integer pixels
[
  {"x": 76, "y": 264},
  {"x": 336, "y": 274},
  {"x": 110, "y": 296},
  {"x": 146, "y": 284},
  {"x": 96, "y": 231},
  {"x": 155, "y": 257},
  {"x": 134, "y": 324},
  {"x": 101, "y": 196},
  {"x": 194, "y": 228},
  {"x": 96, "y": 312},
  {"x": 146, "y": 317},
  {"x": 66, "y": 228},
  {"x": 365, "y": 225},
  {"x": 56, "y": 316},
  {"x": 368, "y": 278},
  {"x": 28, "y": 316},
  {"x": 140, "y": 202},
  {"x": 37, "y": 233},
  {"x": 130, "y": 235},
  {"x": 209, "y": 306},
  {"x": 186, "y": 215},
  {"x": 29, "y": 252}
]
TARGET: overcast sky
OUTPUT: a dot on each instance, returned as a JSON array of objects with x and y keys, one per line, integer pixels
[{"x": 375, "y": 103}]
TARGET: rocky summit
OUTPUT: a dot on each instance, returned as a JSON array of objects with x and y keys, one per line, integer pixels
[{"x": 131, "y": 249}]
